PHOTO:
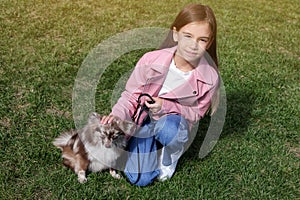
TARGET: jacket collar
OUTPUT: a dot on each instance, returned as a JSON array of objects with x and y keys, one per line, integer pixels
[{"x": 203, "y": 72}]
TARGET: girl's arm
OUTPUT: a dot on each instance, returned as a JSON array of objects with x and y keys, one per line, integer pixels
[{"x": 127, "y": 103}]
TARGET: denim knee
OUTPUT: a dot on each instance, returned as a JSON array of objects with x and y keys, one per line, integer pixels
[
  {"x": 169, "y": 127},
  {"x": 142, "y": 179}
]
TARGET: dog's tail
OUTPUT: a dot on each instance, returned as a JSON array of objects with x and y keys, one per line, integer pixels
[{"x": 64, "y": 139}]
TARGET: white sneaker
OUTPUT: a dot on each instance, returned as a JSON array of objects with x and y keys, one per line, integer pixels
[{"x": 165, "y": 172}]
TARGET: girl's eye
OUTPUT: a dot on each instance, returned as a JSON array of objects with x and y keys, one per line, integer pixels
[
  {"x": 187, "y": 36},
  {"x": 203, "y": 40}
]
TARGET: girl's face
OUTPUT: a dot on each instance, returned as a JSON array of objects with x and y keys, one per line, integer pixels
[{"x": 193, "y": 39}]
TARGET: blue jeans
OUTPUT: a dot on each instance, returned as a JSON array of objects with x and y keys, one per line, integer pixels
[{"x": 171, "y": 132}]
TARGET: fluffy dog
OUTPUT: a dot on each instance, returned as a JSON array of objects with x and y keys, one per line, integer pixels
[{"x": 95, "y": 147}]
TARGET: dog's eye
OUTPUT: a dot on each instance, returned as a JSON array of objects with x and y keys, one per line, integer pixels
[{"x": 114, "y": 136}]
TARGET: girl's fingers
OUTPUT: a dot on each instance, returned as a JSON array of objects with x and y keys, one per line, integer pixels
[
  {"x": 148, "y": 104},
  {"x": 154, "y": 108},
  {"x": 106, "y": 119}
]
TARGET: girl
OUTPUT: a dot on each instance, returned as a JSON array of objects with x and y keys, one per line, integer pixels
[{"x": 183, "y": 80}]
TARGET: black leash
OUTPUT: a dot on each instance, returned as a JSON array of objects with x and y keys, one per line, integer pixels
[
  {"x": 136, "y": 118},
  {"x": 142, "y": 108}
]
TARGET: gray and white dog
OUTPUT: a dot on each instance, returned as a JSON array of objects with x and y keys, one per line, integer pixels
[{"x": 95, "y": 147}]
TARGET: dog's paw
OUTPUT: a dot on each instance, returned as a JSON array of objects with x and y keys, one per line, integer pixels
[
  {"x": 81, "y": 177},
  {"x": 114, "y": 174}
]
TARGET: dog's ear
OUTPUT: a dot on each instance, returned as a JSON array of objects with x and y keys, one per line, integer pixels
[
  {"x": 63, "y": 140},
  {"x": 127, "y": 127}
]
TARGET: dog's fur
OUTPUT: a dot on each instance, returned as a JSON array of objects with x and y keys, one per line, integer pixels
[{"x": 95, "y": 147}]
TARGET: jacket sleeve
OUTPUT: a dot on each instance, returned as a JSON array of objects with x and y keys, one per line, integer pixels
[{"x": 127, "y": 103}]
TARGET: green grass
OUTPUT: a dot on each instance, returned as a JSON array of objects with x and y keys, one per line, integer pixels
[{"x": 43, "y": 44}]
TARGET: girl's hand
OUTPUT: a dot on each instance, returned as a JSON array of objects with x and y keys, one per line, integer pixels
[
  {"x": 155, "y": 107},
  {"x": 107, "y": 119}
]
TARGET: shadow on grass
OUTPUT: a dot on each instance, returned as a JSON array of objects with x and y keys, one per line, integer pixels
[{"x": 239, "y": 108}]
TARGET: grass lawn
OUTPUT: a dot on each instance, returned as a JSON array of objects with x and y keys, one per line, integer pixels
[{"x": 43, "y": 44}]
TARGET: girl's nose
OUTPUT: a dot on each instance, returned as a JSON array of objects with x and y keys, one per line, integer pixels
[{"x": 194, "y": 45}]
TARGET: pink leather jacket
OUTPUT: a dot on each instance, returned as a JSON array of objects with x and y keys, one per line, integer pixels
[{"x": 191, "y": 100}]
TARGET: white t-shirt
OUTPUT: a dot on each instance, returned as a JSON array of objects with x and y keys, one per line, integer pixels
[{"x": 175, "y": 78}]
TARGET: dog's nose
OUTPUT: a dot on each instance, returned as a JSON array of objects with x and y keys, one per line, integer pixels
[{"x": 107, "y": 145}]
